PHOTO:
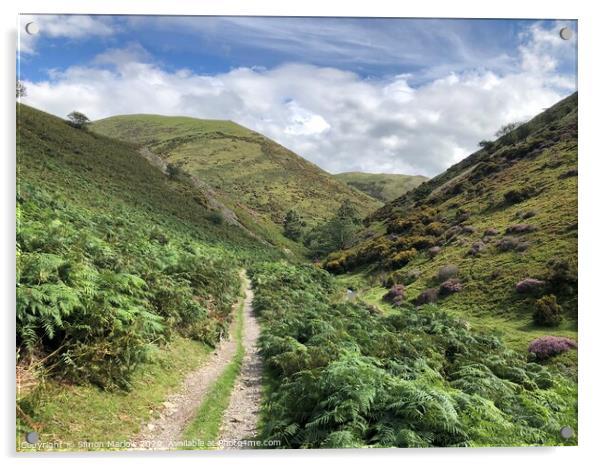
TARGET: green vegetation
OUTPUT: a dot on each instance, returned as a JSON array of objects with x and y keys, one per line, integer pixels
[
  {"x": 338, "y": 232},
  {"x": 382, "y": 186},
  {"x": 254, "y": 176},
  {"x": 293, "y": 225},
  {"x": 467, "y": 218},
  {"x": 460, "y": 328},
  {"x": 204, "y": 428},
  {"x": 115, "y": 260},
  {"x": 340, "y": 374},
  {"x": 68, "y": 414},
  {"x": 78, "y": 120}
]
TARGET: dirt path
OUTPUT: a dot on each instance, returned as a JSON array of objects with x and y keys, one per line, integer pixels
[
  {"x": 240, "y": 419},
  {"x": 165, "y": 430}
]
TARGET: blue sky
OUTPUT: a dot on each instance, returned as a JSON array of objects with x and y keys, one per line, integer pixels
[{"x": 391, "y": 95}]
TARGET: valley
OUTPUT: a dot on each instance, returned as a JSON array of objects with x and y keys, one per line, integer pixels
[
  {"x": 255, "y": 177},
  {"x": 375, "y": 310}
]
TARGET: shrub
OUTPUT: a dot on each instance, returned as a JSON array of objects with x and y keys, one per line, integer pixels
[
  {"x": 452, "y": 232},
  {"x": 446, "y": 272},
  {"x": 483, "y": 170},
  {"x": 461, "y": 216},
  {"x": 547, "y": 311},
  {"x": 522, "y": 246},
  {"x": 428, "y": 296},
  {"x": 529, "y": 285},
  {"x": 490, "y": 232},
  {"x": 400, "y": 226},
  {"x": 216, "y": 217},
  {"x": 527, "y": 214},
  {"x": 562, "y": 276},
  {"x": 434, "y": 229},
  {"x": 476, "y": 248},
  {"x": 514, "y": 196},
  {"x": 396, "y": 294},
  {"x": 175, "y": 171},
  {"x": 520, "y": 228},
  {"x": 509, "y": 243},
  {"x": 404, "y": 277},
  {"x": 402, "y": 258},
  {"x": 420, "y": 242},
  {"x": 547, "y": 346},
  {"x": 468, "y": 229},
  {"x": 393, "y": 278},
  {"x": 435, "y": 250},
  {"x": 453, "y": 285},
  {"x": 568, "y": 174}
]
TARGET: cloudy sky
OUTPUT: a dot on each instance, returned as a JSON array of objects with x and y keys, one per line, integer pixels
[{"x": 377, "y": 95}]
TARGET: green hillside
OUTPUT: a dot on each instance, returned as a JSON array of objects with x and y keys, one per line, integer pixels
[
  {"x": 382, "y": 186},
  {"x": 502, "y": 215},
  {"x": 255, "y": 177},
  {"x": 118, "y": 266}
]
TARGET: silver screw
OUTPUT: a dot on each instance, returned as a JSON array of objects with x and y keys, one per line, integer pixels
[
  {"x": 566, "y": 33},
  {"x": 567, "y": 432},
  {"x": 32, "y": 28},
  {"x": 32, "y": 437}
]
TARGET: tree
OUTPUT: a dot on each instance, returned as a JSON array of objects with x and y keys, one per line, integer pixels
[
  {"x": 486, "y": 144},
  {"x": 293, "y": 225},
  {"x": 21, "y": 89},
  {"x": 337, "y": 233},
  {"x": 174, "y": 171},
  {"x": 507, "y": 129},
  {"x": 78, "y": 120},
  {"x": 347, "y": 211}
]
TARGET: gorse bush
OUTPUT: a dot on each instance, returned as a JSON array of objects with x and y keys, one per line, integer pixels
[
  {"x": 340, "y": 375},
  {"x": 547, "y": 311}
]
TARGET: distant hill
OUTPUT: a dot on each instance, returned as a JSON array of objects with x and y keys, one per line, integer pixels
[
  {"x": 382, "y": 186},
  {"x": 504, "y": 214},
  {"x": 258, "y": 179}
]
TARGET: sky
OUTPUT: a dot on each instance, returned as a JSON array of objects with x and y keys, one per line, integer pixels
[{"x": 387, "y": 95}]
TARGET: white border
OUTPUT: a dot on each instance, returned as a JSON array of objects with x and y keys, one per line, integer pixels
[{"x": 590, "y": 170}]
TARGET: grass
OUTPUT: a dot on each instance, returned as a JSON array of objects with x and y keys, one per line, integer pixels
[
  {"x": 70, "y": 414},
  {"x": 516, "y": 331},
  {"x": 382, "y": 186},
  {"x": 204, "y": 428}
]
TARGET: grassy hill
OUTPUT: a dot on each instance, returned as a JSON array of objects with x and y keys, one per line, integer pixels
[
  {"x": 120, "y": 268},
  {"x": 382, "y": 186},
  {"x": 258, "y": 179},
  {"x": 504, "y": 214}
]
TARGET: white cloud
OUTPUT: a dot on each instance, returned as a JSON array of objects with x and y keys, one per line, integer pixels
[
  {"x": 72, "y": 26},
  {"x": 334, "y": 118}
]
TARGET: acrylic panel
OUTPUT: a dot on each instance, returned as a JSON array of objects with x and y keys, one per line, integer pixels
[{"x": 295, "y": 232}]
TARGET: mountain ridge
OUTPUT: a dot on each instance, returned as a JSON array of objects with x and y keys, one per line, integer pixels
[{"x": 384, "y": 187}]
